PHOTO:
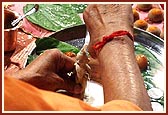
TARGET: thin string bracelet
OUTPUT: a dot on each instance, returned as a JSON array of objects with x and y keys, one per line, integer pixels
[{"x": 99, "y": 45}]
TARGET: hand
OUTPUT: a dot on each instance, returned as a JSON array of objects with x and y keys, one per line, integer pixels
[
  {"x": 49, "y": 72},
  {"x": 102, "y": 20}
]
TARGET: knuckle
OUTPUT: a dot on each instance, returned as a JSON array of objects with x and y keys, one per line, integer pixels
[{"x": 53, "y": 51}]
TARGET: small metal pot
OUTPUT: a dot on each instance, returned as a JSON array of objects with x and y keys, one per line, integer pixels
[{"x": 10, "y": 32}]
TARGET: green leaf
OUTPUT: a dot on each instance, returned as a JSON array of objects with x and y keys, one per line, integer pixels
[
  {"x": 54, "y": 17},
  {"x": 79, "y": 8},
  {"x": 31, "y": 58},
  {"x": 49, "y": 43}
]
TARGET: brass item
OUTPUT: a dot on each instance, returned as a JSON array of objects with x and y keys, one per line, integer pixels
[{"x": 10, "y": 32}]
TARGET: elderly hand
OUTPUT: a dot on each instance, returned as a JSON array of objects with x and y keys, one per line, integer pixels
[
  {"x": 49, "y": 72},
  {"x": 102, "y": 20}
]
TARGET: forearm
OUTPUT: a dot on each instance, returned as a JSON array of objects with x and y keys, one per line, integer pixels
[{"x": 121, "y": 77}]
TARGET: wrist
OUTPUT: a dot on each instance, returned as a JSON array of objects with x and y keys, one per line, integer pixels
[
  {"x": 115, "y": 45},
  {"x": 117, "y": 35},
  {"x": 111, "y": 55},
  {"x": 17, "y": 75}
]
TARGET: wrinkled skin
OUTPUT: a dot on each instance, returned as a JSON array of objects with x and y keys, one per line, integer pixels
[
  {"x": 119, "y": 82},
  {"x": 102, "y": 20},
  {"x": 43, "y": 72},
  {"x": 49, "y": 72},
  {"x": 118, "y": 71}
]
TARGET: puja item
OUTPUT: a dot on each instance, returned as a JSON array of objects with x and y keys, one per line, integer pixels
[{"x": 10, "y": 32}]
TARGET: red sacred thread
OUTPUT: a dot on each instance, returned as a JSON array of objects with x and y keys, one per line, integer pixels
[{"x": 106, "y": 39}]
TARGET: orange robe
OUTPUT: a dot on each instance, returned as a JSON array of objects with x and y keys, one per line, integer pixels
[{"x": 21, "y": 96}]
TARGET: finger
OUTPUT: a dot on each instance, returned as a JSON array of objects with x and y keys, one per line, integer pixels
[
  {"x": 68, "y": 63},
  {"x": 70, "y": 84},
  {"x": 55, "y": 81},
  {"x": 60, "y": 60},
  {"x": 75, "y": 88},
  {"x": 55, "y": 60},
  {"x": 46, "y": 61},
  {"x": 49, "y": 81}
]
